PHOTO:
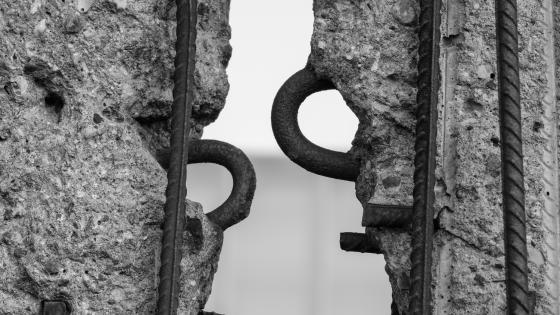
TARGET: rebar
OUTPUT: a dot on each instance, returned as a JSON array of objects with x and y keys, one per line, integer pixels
[
  {"x": 513, "y": 191},
  {"x": 424, "y": 162},
  {"x": 388, "y": 216},
  {"x": 172, "y": 240},
  {"x": 291, "y": 140},
  {"x": 238, "y": 204},
  {"x": 359, "y": 242}
]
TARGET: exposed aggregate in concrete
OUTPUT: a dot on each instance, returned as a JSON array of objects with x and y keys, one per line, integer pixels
[
  {"x": 369, "y": 50},
  {"x": 86, "y": 95}
]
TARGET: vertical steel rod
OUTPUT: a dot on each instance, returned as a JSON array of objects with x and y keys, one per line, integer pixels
[
  {"x": 512, "y": 157},
  {"x": 176, "y": 192},
  {"x": 424, "y": 162}
]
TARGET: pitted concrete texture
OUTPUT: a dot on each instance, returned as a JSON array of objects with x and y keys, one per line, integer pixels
[
  {"x": 86, "y": 95},
  {"x": 368, "y": 49}
]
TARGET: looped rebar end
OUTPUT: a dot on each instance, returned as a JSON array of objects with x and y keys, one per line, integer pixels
[
  {"x": 291, "y": 140},
  {"x": 238, "y": 205}
]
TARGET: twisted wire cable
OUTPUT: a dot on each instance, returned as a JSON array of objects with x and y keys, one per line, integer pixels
[
  {"x": 512, "y": 157},
  {"x": 424, "y": 162},
  {"x": 172, "y": 240}
]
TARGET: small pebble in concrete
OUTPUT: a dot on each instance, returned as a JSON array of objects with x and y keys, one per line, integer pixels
[
  {"x": 73, "y": 24},
  {"x": 41, "y": 27}
]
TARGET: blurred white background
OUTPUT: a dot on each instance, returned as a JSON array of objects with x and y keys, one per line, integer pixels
[{"x": 285, "y": 258}]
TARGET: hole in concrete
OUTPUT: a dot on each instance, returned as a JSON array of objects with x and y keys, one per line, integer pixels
[
  {"x": 97, "y": 119},
  {"x": 495, "y": 141},
  {"x": 8, "y": 89},
  {"x": 54, "y": 101},
  {"x": 537, "y": 126}
]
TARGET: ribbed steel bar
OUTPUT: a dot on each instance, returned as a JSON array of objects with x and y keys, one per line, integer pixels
[
  {"x": 172, "y": 240},
  {"x": 512, "y": 157},
  {"x": 424, "y": 162}
]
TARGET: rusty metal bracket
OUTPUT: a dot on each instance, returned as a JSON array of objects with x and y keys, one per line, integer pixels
[
  {"x": 238, "y": 204},
  {"x": 291, "y": 140}
]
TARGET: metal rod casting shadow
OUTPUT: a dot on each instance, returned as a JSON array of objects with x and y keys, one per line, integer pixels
[
  {"x": 291, "y": 140},
  {"x": 238, "y": 204}
]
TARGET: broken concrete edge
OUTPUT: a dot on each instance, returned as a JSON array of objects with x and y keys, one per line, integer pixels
[
  {"x": 369, "y": 55},
  {"x": 86, "y": 97}
]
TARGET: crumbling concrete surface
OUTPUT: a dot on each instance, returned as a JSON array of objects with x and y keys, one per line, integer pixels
[
  {"x": 85, "y": 98},
  {"x": 368, "y": 49}
]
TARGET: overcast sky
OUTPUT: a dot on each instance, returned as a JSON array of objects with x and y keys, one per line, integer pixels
[{"x": 271, "y": 41}]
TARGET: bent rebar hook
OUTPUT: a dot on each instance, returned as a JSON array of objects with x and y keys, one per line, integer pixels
[
  {"x": 326, "y": 162},
  {"x": 291, "y": 140},
  {"x": 316, "y": 159},
  {"x": 238, "y": 205}
]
